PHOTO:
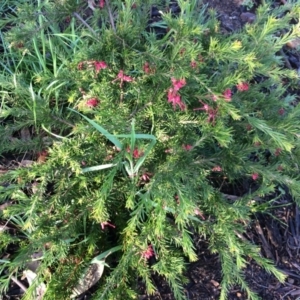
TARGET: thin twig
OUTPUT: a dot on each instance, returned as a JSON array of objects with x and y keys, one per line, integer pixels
[
  {"x": 285, "y": 59},
  {"x": 63, "y": 121},
  {"x": 75, "y": 14},
  {"x": 111, "y": 18},
  {"x": 140, "y": 109},
  {"x": 19, "y": 283}
]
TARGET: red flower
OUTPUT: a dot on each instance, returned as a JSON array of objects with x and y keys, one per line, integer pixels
[
  {"x": 278, "y": 151},
  {"x": 103, "y": 224},
  {"x": 193, "y": 64},
  {"x": 281, "y": 111},
  {"x": 99, "y": 65},
  {"x": 197, "y": 212},
  {"x": 101, "y": 3},
  {"x": 248, "y": 127},
  {"x": 148, "y": 253},
  {"x": 205, "y": 107},
  {"x": 280, "y": 168},
  {"x": 93, "y": 102},
  {"x": 214, "y": 98},
  {"x": 217, "y": 169},
  {"x": 146, "y": 177},
  {"x": 80, "y": 65},
  {"x": 182, "y": 50},
  {"x": 174, "y": 98},
  {"x": 255, "y": 176},
  {"x": 42, "y": 156},
  {"x": 227, "y": 95},
  {"x": 178, "y": 83},
  {"x": 173, "y": 95},
  {"x": 187, "y": 147},
  {"x": 146, "y": 68},
  {"x": 169, "y": 151},
  {"x": 123, "y": 77},
  {"x": 212, "y": 113},
  {"x": 243, "y": 86},
  {"x": 136, "y": 153},
  {"x": 200, "y": 58}
]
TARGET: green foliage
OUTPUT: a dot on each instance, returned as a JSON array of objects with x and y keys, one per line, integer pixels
[{"x": 164, "y": 127}]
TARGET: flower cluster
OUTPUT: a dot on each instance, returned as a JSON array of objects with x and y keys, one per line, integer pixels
[
  {"x": 121, "y": 76},
  {"x": 187, "y": 147},
  {"x": 212, "y": 113},
  {"x": 227, "y": 95},
  {"x": 173, "y": 95},
  {"x": 217, "y": 169},
  {"x": 92, "y": 102},
  {"x": 148, "y": 69},
  {"x": 278, "y": 152},
  {"x": 243, "y": 86},
  {"x": 136, "y": 153},
  {"x": 148, "y": 253},
  {"x": 101, "y": 3},
  {"x": 145, "y": 177},
  {"x": 281, "y": 111},
  {"x": 193, "y": 64},
  {"x": 97, "y": 65}
]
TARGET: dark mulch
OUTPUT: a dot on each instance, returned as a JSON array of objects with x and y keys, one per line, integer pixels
[{"x": 278, "y": 235}]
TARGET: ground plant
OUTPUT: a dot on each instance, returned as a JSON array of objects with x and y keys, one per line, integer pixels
[{"x": 130, "y": 137}]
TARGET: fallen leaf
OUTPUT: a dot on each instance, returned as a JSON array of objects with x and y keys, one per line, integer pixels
[
  {"x": 40, "y": 290},
  {"x": 294, "y": 43},
  {"x": 26, "y": 163},
  {"x": 25, "y": 134},
  {"x": 215, "y": 283},
  {"x": 90, "y": 278}
]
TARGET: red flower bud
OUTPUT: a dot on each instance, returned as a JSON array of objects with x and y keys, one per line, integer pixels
[
  {"x": 217, "y": 169},
  {"x": 243, "y": 86},
  {"x": 281, "y": 111},
  {"x": 93, "y": 102},
  {"x": 187, "y": 147},
  {"x": 227, "y": 95}
]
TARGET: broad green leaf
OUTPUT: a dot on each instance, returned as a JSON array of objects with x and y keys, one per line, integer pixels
[
  {"x": 109, "y": 136},
  {"x": 97, "y": 168},
  {"x": 103, "y": 255}
]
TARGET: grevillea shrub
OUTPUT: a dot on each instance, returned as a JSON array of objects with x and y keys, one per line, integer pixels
[{"x": 135, "y": 141}]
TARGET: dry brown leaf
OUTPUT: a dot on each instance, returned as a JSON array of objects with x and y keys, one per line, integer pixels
[
  {"x": 215, "y": 283},
  {"x": 90, "y": 278},
  {"x": 26, "y": 163},
  {"x": 25, "y": 134},
  {"x": 294, "y": 43},
  {"x": 40, "y": 290}
]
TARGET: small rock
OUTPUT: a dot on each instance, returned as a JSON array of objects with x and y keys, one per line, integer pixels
[
  {"x": 291, "y": 280},
  {"x": 215, "y": 283},
  {"x": 248, "y": 17}
]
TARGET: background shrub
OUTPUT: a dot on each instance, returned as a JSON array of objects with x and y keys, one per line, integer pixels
[{"x": 138, "y": 139}]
